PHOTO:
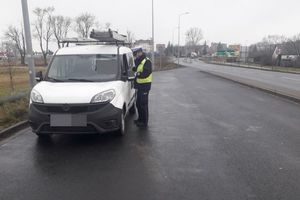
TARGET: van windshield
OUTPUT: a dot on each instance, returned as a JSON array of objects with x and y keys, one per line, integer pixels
[{"x": 98, "y": 68}]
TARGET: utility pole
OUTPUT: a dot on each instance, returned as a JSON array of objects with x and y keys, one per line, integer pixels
[
  {"x": 173, "y": 53},
  {"x": 29, "y": 51},
  {"x": 153, "y": 57},
  {"x": 179, "y": 35}
]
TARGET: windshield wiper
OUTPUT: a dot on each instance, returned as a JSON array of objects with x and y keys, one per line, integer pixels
[
  {"x": 80, "y": 80},
  {"x": 54, "y": 79}
]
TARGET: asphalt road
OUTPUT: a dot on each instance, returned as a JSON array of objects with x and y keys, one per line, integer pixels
[
  {"x": 279, "y": 79},
  {"x": 208, "y": 139}
]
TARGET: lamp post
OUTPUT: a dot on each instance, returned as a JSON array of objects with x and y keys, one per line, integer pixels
[
  {"x": 153, "y": 61},
  {"x": 173, "y": 40},
  {"x": 179, "y": 34},
  {"x": 28, "y": 43}
]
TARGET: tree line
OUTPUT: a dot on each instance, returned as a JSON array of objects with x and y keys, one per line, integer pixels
[
  {"x": 264, "y": 52},
  {"x": 48, "y": 27}
]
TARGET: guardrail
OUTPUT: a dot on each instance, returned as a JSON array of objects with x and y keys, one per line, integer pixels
[{"x": 14, "y": 98}]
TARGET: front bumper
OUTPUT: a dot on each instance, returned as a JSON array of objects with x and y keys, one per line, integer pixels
[{"x": 101, "y": 118}]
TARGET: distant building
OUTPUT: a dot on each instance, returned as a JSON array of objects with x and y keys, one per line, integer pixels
[
  {"x": 214, "y": 47},
  {"x": 235, "y": 47},
  {"x": 285, "y": 55},
  {"x": 145, "y": 44}
]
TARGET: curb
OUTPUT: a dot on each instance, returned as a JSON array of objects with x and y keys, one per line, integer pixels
[
  {"x": 265, "y": 89},
  {"x": 13, "y": 129}
]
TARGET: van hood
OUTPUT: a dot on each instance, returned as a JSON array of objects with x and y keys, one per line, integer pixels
[{"x": 74, "y": 92}]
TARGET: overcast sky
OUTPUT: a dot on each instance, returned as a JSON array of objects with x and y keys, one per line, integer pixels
[{"x": 229, "y": 21}]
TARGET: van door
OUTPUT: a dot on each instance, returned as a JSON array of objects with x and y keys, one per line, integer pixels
[
  {"x": 131, "y": 64},
  {"x": 128, "y": 85}
]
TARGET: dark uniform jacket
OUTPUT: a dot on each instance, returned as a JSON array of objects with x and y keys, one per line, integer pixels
[{"x": 144, "y": 74}]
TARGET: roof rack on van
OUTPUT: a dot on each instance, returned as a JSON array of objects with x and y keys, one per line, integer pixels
[
  {"x": 98, "y": 37},
  {"x": 109, "y": 36}
]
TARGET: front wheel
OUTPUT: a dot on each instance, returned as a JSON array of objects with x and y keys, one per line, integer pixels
[
  {"x": 122, "y": 125},
  {"x": 132, "y": 110},
  {"x": 43, "y": 136}
]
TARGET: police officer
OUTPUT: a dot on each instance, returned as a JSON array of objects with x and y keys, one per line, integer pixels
[{"x": 143, "y": 69}]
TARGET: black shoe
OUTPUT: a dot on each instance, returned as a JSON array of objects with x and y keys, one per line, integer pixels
[
  {"x": 141, "y": 125},
  {"x": 136, "y": 121}
]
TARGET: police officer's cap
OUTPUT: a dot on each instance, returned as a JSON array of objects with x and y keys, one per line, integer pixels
[{"x": 136, "y": 50}]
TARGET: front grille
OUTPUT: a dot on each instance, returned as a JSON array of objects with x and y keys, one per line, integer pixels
[{"x": 68, "y": 108}]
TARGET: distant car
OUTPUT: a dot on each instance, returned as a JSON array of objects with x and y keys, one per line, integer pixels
[
  {"x": 86, "y": 89},
  {"x": 193, "y": 55}
]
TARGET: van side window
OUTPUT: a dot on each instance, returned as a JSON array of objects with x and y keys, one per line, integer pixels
[
  {"x": 125, "y": 66},
  {"x": 130, "y": 61}
]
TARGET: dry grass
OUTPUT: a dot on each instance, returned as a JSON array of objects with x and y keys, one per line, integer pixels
[
  {"x": 164, "y": 63},
  {"x": 20, "y": 80},
  {"x": 11, "y": 113}
]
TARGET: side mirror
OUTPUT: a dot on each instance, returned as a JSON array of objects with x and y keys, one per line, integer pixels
[
  {"x": 131, "y": 76},
  {"x": 39, "y": 76}
]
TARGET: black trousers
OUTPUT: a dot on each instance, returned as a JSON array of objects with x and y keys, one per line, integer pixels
[{"x": 142, "y": 105}]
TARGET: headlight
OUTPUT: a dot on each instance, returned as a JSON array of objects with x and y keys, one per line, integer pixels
[
  {"x": 105, "y": 96},
  {"x": 36, "y": 97}
]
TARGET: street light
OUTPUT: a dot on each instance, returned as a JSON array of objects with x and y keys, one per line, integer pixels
[
  {"x": 175, "y": 28},
  {"x": 179, "y": 34},
  {"x": 153, "y": 34}
]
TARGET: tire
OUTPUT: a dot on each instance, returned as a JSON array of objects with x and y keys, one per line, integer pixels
[
  {"x": 122, "y": 125},
  {"x": 43, "y": 136},
  {"x": 132, "y": 110}
]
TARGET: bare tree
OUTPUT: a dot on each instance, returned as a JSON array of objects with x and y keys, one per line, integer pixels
[
  {"x": 43, "y": 29},
  {"x": 10, "y": 48},
  {"x": 60, "y": 26},
  {"x": 193, "y": 37},
  {"x": 130, "y": 38},
  {"x": 83, "y": 24},
  {"x": 293, "y": 45},
  {"x": 17, "y": 36},
  {"x": 267, "y": 47},
  {"x": 107, "y": 25},
  {"x": 263, "y": 52},
  {"x": 274, "y": 39}
]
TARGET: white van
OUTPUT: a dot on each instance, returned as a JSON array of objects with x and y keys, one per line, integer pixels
[{"x": 86, "y": 89}]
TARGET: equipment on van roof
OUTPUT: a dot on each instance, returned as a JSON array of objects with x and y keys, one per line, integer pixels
[
  {"x": 109, "y": 36},
  {"x": 98, "y": 37}
]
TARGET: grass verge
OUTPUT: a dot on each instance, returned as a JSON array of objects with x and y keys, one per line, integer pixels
[
  {"x": 19, "y": 82},
  {"x": 13, "y": 112}
]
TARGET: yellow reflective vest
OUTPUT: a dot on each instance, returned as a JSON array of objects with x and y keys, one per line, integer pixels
[{"x": 140, "y": 69}]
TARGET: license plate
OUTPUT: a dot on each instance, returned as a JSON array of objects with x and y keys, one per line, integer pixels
[{"x": 57, "y": 120}]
